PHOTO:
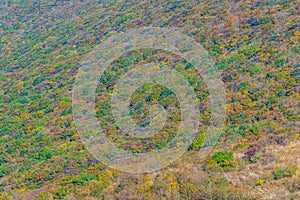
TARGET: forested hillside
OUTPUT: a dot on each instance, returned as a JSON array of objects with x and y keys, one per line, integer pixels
[{"x": 255, "y": 48}]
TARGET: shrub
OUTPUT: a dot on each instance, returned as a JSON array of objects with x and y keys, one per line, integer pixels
[
  {"x": 260, "y": 181},
  {"x": 61, "y": 193},
  {"x": 4, "y": 169},
  {"x": 251, "y": 152},
  {"x": 45, "y": 153},
  {"x": 243, "y": 86},
  {"x": 280, "y": 173},
  {"x": 224, "y": 159},
  {"x": 78, "y": 181},
  {"x": 198, "y": 142},
  {"x": 83, "y": 179},
  {"x": 2, "y": 159},
  {"x": 285, "y": 172},
  {"x": 292, "y": 170},
  {"x": 280, "y": 62}
]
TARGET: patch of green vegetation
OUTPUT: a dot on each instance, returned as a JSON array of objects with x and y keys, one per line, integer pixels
[
  {"x": 223, "y": 159},
  {"x": 198, "y": 141}
]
